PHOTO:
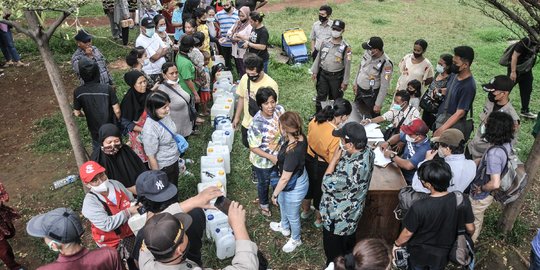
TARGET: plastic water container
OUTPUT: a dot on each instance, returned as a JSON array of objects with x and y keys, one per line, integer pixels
[
  {"x": 225, "y": 74},
  {"x": 221, "y": 109},
  {"x": 220, "y": 118},
  {"x": 224, "y": 137},
  {"x": 213, "y": 175},
  {"x": 136, "y": 222},
  {"x": 212, "y": 163},
  {"x": 222, "y": 124},
  {"x": 221, "y": 185},
  {"x": 225, "y": 243},
  {"x": 221, "y": 94},
  {"x": 215, "y": 219},
  {"x": 219, "y": 59},
  {"x": 226, "y": 100},
  {"x": 223, "y": 84},
  {"x": 221, "y": 150}
]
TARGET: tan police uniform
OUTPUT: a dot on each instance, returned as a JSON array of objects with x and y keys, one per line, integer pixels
[
  {"x": 320, "y": 32},
  {"x": 373, "y": 80}
]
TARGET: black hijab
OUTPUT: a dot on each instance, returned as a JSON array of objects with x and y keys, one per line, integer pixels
[
  {"x": 132, "y": 105},
  {"x": 123, "y": 166}
]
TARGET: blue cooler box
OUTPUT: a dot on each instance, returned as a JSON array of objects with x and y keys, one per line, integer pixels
[{"x": 293, "y": 42}]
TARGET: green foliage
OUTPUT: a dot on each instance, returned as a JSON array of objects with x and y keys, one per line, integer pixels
[
  {"x": 491, "y": 229},
  {"x": 52, "y": 136},
  {"x": 380, "y": 21},
  {"x": 494, "y": 34}
]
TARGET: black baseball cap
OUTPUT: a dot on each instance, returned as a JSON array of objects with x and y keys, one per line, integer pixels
[
  {"x": 155, "y": 186},
  {"x": 83, "y": 36},
  {"x": 500, "y": 83},
  {"x": 164, "y": 232},
  {"x": 61, "y": 224},
  {"x": 352, "y": 131},
  {"x": 148, "y": 23},
  {"x": 373, "y": 43},
  {"x": 338, "y": 25}
]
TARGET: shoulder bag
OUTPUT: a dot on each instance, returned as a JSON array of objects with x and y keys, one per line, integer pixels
[
  {"x": 253, "y": 108},
  {"x": 389, "y": 132},
  {"x": 429, "y": 103},
  {"x": 462, "y": 252},
  {"x": 191, "y": 107},
  {"x": 181, "y": 142}
]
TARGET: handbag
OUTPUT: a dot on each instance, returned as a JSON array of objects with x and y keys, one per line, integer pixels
[
  {"x": 466, "y": 126},
  {"x": 191, "y": 107},
  {"x": 462, "y": 252},
  {"x": 181, "y": 142},
  {"x": 406, "y": 197},
  {"x": 253, "y": 108},
  {"x": 275, "y": 176},
  {"x": 391, "y": 131},
  {"x": 428, "y": 103}
]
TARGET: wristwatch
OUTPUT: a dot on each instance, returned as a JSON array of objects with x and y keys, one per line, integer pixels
[{"x": 392, "y": 156}]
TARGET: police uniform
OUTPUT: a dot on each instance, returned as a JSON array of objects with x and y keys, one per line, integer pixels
[
  {"x": 373, "y": 80},
  {"x": 320, "y": 32},
  {"x": 332, "y": 68}
]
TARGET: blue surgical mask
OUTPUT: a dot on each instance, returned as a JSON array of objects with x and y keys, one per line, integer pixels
[
  {"x": 162, "y": 29},
  {"x": 396, "y": 107},
  {"x": 439, "y": 68},
  {"x": 150, "y": 32}
]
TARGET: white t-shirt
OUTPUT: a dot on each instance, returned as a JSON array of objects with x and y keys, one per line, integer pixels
[{"x": 151, "y": 45}]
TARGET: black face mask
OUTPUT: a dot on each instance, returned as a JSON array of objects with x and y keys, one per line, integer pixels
[
  {"x": 227, "y": 9},
  {"x": 417, "y": 55},
  {"x": 491, "y": 97},
  {"x": 254, "y": 78},
  {"x": 454, "y": 69},
  {"x": 323, "y": 19},
  {"x": 244, "y": 20},
  {"x": 203, "y": 22}
]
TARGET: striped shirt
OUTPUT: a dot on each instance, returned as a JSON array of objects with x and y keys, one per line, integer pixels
[{"x": 226, "y": 21}]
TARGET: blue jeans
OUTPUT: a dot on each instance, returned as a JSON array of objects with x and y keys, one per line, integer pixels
[
  {"x": 8, "y": 47},
  {"x": 289, "y": 205},
  {"x": 263, "y": 185},
  {"x": 265, "y": 67},
  {"x": 535, "y": 261}
]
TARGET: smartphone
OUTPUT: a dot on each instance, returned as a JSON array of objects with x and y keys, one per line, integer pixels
[{"x": 223, "y": 204}]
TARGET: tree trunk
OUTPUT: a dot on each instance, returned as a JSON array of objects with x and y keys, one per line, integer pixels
[
  {"x": 511, "y": 211},
  {"x": 63, "y": 102}
]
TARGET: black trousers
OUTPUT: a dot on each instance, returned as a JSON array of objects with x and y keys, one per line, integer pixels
[
  {"x": 328, "y": 86},
  {"x": 337, "y": 245},
  {"x": 315, "y": 169},
  {"x": 173, "y": 172},
  {"x": 243, "y": 131},
  {"x": 525, "y": 81},
  {"x": 195, "y": 234},
  {"x": 227, "y": 55},
  {"x": 429, "y": 119},
  {"x": 365, "y": 101}
]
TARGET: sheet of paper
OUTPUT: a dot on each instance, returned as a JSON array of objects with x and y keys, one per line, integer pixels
[
  {"x": 371, "y": 126},
  {"x": 380, "y": 159},
  {"x": 374, "y": 133}
]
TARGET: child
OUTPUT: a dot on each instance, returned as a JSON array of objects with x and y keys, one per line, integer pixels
[
  {"x": 205, "y": 89},
  {"x": 413, "y": 87},
  {"x": 197, "y": 58}
]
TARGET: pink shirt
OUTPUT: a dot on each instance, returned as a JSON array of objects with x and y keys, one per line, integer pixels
[{"x": 104, "y": 258}]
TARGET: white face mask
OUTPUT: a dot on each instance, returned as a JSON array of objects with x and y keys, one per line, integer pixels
[
  {"x": 211, "y": 20},
  {"x": 440, "y": 152},
  {"x": 409, "y": 139},
  {"x": 146, "y": 62},
  {"x": 341, "y": 146},
  {"x": 439, "y": 68},
  {"x": 336, "y": 34},
  {"x": 173, "y": 82},
  {"x": 101, "y": 187}
]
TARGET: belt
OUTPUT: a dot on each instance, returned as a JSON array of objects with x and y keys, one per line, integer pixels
[{"x": 332, "y": 73}]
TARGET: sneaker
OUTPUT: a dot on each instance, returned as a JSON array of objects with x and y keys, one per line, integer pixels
[
  {"x": 291, "y": 245},
  {"x": 306, "y": 215},
  {"x": 276, "y": 227},
  {"x": 528, "y": 115}
]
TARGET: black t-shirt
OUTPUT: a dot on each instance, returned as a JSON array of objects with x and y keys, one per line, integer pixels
[
  {"x": 526, "y": 48},
  {"x": 96, "y": 100},
  {"x": 260, "y": 36},
  {"x": 294, "y": 160},
  {"x": 249, "y": 3},
  {"x": 433, "y": 222}
]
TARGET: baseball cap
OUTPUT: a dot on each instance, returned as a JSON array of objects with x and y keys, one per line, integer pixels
[
  {"x": 89, "y": 170},
  {"x": 500, "y": 82},
  {"x": 416, "y": 127},
  {"x": 83, "y": 36},
  {"x": 373, "y": 43},
  {"x": 351, "y": 131},
  {"x": 61, "y": 224},
  {"x": 147, "y": 23},
  {"x": 338, "y": 25},
  {"x": 154, "y": 185},
  {"x": 451, "y": 136},
  {"x": 164, "y": 232}
]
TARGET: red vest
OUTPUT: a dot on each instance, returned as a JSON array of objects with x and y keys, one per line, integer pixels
[{"x": 111, "y": 239}]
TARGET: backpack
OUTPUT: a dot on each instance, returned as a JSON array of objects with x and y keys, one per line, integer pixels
[
  {"x": 513, "y": 180},
  {"x": 406, "y": 197},
  {"x": 527, "y": 65}
]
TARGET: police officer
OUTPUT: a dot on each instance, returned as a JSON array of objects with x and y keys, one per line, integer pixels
[
  {"x": 321, "y": 30},
  {"x": 332, "y": 66},
  {"x": 373, "y": 78}
]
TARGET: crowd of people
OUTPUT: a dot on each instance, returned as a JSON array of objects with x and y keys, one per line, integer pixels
[{"x": 323, "y": 173}]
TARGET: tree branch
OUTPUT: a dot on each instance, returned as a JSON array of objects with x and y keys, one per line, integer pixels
[
  {"x": 514, "y": 17},
  {"x": 530, "y": 9},
  {"x": 56, "y": 24},
  {"x": 18, "y": 27}
]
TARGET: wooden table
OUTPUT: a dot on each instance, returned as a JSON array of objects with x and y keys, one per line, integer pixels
[{"x": 378, "y": 220}]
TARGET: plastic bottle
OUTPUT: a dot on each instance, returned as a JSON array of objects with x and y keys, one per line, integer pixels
[
  {"x": 225, "y": 243},
  {"x": 64, "y": 181},
  {"x": 215, "y": 219},
  {"x": 218, "y": 184}
]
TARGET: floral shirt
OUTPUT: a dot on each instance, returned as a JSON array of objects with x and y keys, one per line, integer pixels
[
  {"x": 344, "y": 192},
  {"x": 264, "y": 133}
]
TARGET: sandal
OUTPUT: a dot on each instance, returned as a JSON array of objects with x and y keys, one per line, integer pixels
[
  {"x": 199, "y": 120},
  {"x": 21, "y": 64},
  {"x": 265, "y": 212},
  {"x": 7, "y": 64}
]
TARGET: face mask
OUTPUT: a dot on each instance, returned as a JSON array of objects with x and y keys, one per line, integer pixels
[
  {"x": 173, "y": 82},
  {"x": 162, "y": 29},
  {"x": 211, "y": 20},
  {"x": 440, "y": 152},
  {"x": 396, "y": 107},
  {"x": 254, "y": 78},
  {"x": 101, "y": 188},
  {"x": 439, "y": 68},
  {"x": 417, "y": 55},
  {"x": 323, "y": 19},
  {"x": 336, "y": 34},
  {"x": 243, "y": 21},
  {"x": 50, "y": 245},
  {"x": 203, "y": 22},
  {"x": 341, "y": 146},
  {"x": 146, "y": 62},
  {"x": 150, "y": 32},
  {"x": 112, "y": 149},
  {"x": 409, "y": 139},
  {"x": 454, "y": 69},
  {"x": 491, "y": 97},
  {"x": 227, "y": 9}
]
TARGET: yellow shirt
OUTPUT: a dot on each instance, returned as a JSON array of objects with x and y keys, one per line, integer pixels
[
  {"x": 206, "y": 44},
  {"x": 242, "y": 91},
  {"x": 320, "y": 139}
]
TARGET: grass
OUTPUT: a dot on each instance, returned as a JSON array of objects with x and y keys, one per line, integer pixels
[{"x": 399, "y": 23}]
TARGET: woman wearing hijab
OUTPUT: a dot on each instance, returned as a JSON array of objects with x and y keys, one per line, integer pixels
[
  {"x": 133, "y": 114},
  {"x": 120, "y": 162},
  {"x": 239, "y": 32}
]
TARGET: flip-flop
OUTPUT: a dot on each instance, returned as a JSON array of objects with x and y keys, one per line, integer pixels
[
  {"x": 21, "y": 64},
  {"x": 265, "y": 212}
]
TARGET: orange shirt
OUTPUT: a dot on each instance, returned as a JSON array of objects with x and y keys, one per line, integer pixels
[{"x": 320, "y": 139}]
